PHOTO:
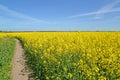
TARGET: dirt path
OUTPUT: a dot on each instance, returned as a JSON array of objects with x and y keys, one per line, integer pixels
[{"x": 19, "y": 68}]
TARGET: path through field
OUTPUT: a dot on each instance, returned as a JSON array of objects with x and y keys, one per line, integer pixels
[{"x": 19, "y": 68}]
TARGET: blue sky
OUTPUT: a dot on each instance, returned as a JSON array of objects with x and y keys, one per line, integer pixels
[{"x": 65, "y": 15}]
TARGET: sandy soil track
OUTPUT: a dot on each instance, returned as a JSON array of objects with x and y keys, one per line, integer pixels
[{"x": 20, "y": 70}]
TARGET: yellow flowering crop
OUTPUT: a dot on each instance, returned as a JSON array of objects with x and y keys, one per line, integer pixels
[{"x": 72, "y": 55}]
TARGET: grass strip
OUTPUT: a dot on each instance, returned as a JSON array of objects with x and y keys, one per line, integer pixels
[{"x": 7, "y": 46}]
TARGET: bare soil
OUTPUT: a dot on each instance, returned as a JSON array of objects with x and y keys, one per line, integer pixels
[{"x": 20, "y": 71}]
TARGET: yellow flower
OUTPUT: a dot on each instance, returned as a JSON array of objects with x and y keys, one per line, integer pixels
[
  {"x": 47, "y": 78},
  {"x": 70, "y": 75},
  {"x": 44, "y": 62},
  {"x": 74, "y": 64},
  {"x": 64, "y": 68},
  {"x": 96, "y": 69},
  {"x": 102, "y": 78},
  {"x": 58, "y": 78}
]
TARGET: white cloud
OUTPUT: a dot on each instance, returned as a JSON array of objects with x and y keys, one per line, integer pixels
[
  {"x": 20, "y": 15},
  {"x": 110, "y": 8}
]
